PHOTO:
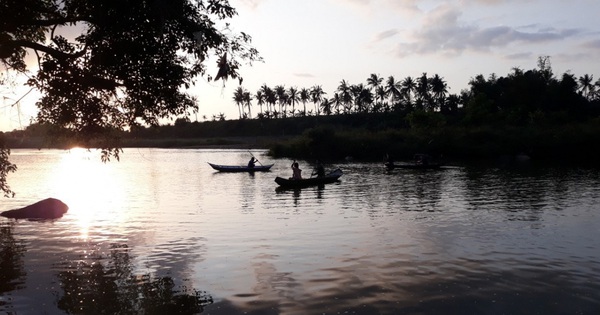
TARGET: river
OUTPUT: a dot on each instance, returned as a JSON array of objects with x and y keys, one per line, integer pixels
[{"x": 160, "y": 231}]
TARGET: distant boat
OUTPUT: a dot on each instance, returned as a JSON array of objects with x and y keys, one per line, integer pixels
[
  {"x": 333, "y": 176},
  {"x": 414, "y": 166},
  {"x": 421, "y": 161},
  {"x": 240, "y": 168}
]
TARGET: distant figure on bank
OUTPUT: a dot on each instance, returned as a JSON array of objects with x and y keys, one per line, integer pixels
[
  {"x": 319, "y": 169},
  {"x": 296, "y": 171},
  {"x": 252, "y": 162}
]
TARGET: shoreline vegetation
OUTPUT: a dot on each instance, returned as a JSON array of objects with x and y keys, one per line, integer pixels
[
  {"x": 532, "y": 114},
  {"x": 363, "y": 137}
]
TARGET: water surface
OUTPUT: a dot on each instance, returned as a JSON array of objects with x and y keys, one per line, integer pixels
[{"x": 520, "y": 239}]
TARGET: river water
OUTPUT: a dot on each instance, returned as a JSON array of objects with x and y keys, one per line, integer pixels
[{"x": 161, "y": 232}]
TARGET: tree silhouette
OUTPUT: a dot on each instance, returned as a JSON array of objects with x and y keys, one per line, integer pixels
[
  {"x": 587, "y": 87},
  {"x": 238, "y": 98},
  {"x": 393, "y": 90},
  {"x": 316, "y": 94},
  {"x": 304, "y": 98},
  {"x": 282, "y": 98},
  {"x": 345, "y": 93},
  {"x": 126, "y": 64},
  {"x": 293, "y": 98}
]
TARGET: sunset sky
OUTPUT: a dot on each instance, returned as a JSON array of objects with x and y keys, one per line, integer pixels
[{"x": 321, "y": 42}]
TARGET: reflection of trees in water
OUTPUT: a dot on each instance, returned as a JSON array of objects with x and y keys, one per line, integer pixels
[
  {"x": 12, "y": 271},
  {"x": 94, "y": 288},
  {"x": 522, "y": 193}
]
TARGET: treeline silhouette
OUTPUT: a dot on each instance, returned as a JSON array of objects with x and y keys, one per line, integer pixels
[{"x": 532, "y": 112}]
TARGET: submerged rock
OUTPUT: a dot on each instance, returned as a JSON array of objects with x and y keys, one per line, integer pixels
[{"x": 50, "y": 208}]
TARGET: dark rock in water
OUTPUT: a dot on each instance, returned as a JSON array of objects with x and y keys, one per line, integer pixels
[{"x": 45, "y": 209}]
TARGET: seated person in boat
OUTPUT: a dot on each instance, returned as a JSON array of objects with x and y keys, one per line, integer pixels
[
  {"x": 252, "y": 162},
  {"x": 319, "y": 169},
  {"x": 296, "y": 171}
]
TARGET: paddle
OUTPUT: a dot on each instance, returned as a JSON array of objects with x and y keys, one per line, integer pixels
[{"x": 255, "y": 158}]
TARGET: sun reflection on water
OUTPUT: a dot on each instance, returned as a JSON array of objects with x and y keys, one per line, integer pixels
[{"x": 91, "y": 189}]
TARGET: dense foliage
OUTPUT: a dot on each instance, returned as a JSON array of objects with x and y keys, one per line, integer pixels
[{"x": 107, "y": 65}]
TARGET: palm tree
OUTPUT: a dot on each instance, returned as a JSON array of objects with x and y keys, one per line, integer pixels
[
  {"x": 423, "y": 91},
  {"x": 374, "y": 81},
  {"x": 304, "y": 97},
  {"x": 293, "y": 98},
  {"x": 336, "y": 101},
  {"x": 586, "y": 86},
  {"x": 409, "y": 86},
  {"x": 238, "y": 98},
  {"x": 380, "y": 93},
  {"x": 597, "y": 88},
  {"x": 248, "y": 102},
  {"x": 270, "y": 99},
  {"x": 326, "y": 106},
  {"x": 345, "y": 95},
  {"x": 392, "y": 89},
  {"x": 363, "y": 98},
  {"x": 260, "y": 99},
  {"x": 281, "y": 94},
  {"x": 439, "y": 88},
  {"x": 316, "y": 93}
]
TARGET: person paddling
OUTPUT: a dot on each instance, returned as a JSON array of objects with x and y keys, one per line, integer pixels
[{"x": 252, "y": 162}]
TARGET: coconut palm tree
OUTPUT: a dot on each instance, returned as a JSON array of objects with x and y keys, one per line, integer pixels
[
  {"x": 392, "y": 89},
  {"x": 304, "y": 97},
  {"x": 270, "y": 99},
  {"x": 597, "y": 88},
  {"x": 380, "y": 94},
  {"x": 423, "y": 92},
  {"x": 326, "y": 106},
  {"x": 345, "y": 94},
  {"x": 337, "y": 102},
  {"x": 248, "y": 102},
  {"x": 374, "y": 81},
  {"x": 238, "y": 98},
  {"x": 409, "y": 86},
  {"x": 260, "y": 100},
  {"x": 281, "y": 94},
  {"x": 293, "y": 98},
  {"x": 363, "y": 98},
  {"x": 316, "y": 93},
  {"x": 439, "y": 88},
  {"x": 586, "y": 87}
]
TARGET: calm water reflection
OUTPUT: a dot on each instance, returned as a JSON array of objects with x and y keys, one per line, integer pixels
[{"x": 160, "y": 231}]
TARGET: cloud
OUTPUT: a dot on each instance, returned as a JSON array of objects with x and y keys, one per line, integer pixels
[
  {"x": 252, "y": 4},
  {"x": 304, "y": 75},
  {"x": 385, "y": 34},
  {"x": 519, "y": 56},
  {"x": 409, "y": 6},
  {"x": 443, "y": 32},
  {"x": 593, "y": 44}
]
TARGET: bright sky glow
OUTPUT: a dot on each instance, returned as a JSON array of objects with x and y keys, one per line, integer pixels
[{"x": 321, "y": 42}]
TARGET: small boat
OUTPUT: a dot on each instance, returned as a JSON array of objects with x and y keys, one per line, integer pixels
[
  {"x": 333, "y": 176},
  {"x": 413, "y": 166},
  {"x": 240, "y": 168},
  {"x": 421, "y": 162}
]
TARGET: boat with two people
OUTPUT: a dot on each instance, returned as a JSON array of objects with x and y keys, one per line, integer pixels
[{"x": 328, "y": 178}]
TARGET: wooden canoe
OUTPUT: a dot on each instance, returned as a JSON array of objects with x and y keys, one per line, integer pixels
[
  {"x": 306, "y": 182},
  {"x": 240, "y": 168}
]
